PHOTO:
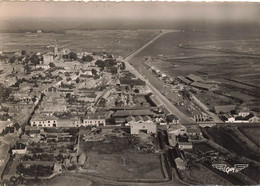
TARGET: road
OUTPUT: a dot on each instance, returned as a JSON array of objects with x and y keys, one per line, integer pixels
[{"x": 183, "y": 118}]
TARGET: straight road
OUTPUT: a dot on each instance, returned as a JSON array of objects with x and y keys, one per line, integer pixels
[{"x": 183, "y": 118}]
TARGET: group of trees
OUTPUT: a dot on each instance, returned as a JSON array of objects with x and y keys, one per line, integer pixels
[
  {"x": 86, "y": 58},
  {"x": 34, "y": 170},
  {"x": 4, "y": 93},
  {"x": 71, "y": 56}
]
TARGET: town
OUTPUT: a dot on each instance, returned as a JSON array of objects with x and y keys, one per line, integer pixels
[{"x": 63, "y": 111}]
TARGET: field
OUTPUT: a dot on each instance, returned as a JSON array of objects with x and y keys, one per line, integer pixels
[
  {"x": 125, "y": 166},
  {"x": 68, "y": 181},
  {"x": 235, "y": 66},
  {"x": 116, "y": 42},
  {"x": 231, "y": 139},
  {"x": 253, "y": 133},
  {"x": 198, "y": 174},
  {"x": 251, "y": 47}
]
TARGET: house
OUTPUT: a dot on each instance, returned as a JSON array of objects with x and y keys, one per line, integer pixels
[
  {"x": 243, "y": 113},
  {"x": 19, "y": 148},
  {"x": 180, "y": 164},
  {"x": 47, "y": 58},
  {"x": 44, "y": 121},
  {"x": 125, "y": 82},
  {"x": 82, "y": 159},
  {"x": 136, "y": 112},
  {"x": 228, "y": 118},
  {"x": 224, "y": 109},
  {"x": 194, "y": 78},
  {"x": 253, "y": 119},
  {"x": 205, "y": 86},
  {"x": 174, "y": 131},
  {"x": 184, "y": 80},
  {"x": 96, "y": 119},
  {"x": 146, "y": 127},
  {"x": 154, "y": 101},
  {"x": 185, "y": 145},
  {"x": 4, "y": 124},
  {"x": 172, "y": 119},
  {"x": 68, "y": 122},
  {"x": 193, "y": 129},
  {"x": 57, "y": 167},
  {"x": 199, "y": 116}
]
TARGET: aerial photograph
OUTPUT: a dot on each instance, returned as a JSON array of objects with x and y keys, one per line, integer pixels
[{"x": 129, "y": 93}]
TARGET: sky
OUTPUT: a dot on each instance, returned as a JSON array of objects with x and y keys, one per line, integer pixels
[
  {"x": 139, "y": 10},
  {"x": 127, "y": 11}
]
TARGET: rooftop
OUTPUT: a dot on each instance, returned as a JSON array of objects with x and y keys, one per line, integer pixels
[
  {"x": 194, "y": 78},
  {"x": 122, "y": 113}
]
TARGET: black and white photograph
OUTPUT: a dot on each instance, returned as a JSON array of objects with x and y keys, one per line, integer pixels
[{"x": 147, "y": 93}]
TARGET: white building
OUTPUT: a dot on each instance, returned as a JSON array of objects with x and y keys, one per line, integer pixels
[
  {"x": 96, "y": 119},
  {"x": 47, "y": 58},
  {"x": 44, "y": 121},
  {"x": 141, "y": 126}
]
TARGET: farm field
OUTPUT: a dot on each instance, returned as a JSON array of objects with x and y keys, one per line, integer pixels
[
  {"x": 251, "y": 47},
  {"x": 252, "y": 133},
  {"x": 116, "y": 42},
  {"x": 237, "y": 73},
  {"x": 125, "y": 166},
  {"x": 198, "y": 174},
  {"x": 64, "y": 180},
  {"x": 227, "y": 138}
]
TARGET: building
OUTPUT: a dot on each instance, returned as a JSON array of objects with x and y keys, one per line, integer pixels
[
  {"x": 180, "y": 164},
  {"x": 82, "y": 159},
  {"x": 19, "y": 148},
  {"x": 243, "y": 113},
  {"x": 205, "y": 86},
  {"x": 253, "y": 119},
  {"x": 194, "y": 78},
  {"x": 68, "y": 122},
  {"x": 171, "y": 119},
  {"x": 174, "y": 131},
  {"x": 4, "y": 124},
  {"x": 145, "y": 127},
  {"x": 185, "y": 145},
  {"x": 193, "y": 129},
  {"x": 47, "y": 58},
  {"x": 137, "y": 112},
  {"x": 44, "y": 121},
  {"x": 199, "y": 116},
  {"x": 184, "y": 80},
  {"x": 96, "y": 119},
  {"x": 137, "y": 83}
]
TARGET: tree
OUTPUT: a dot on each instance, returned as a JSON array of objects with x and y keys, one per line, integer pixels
[
  {"x": 23, "y": 52},
  {"x": 16, "y": 126},
  {"x": 35, "y": 60},
  {"x": 122, "y": 67},
  {"x": 52, "y": 65},
  {"x": 73, "y": 56},
  {"x": 77, "y": 80},
  {"x": 12, "y": 60},
  {"x": 113, "y": 70},
  {"x": 94, "y": 71},
  {"x": 136, "y": 90},
  {"x": 27, "y": 68},
  {"x": 87, "y": 58}
]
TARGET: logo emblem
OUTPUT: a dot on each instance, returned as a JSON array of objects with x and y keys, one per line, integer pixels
[{"x": 226, "y": 169}]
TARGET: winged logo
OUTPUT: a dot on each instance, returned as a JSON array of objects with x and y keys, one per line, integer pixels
[
  {"x": 221, "y": 167},
  {"x": 226, "y": 169},
  {"x": 239, "y": 167}
]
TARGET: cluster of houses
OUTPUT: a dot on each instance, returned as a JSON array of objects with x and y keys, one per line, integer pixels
[
  {"x": 198, "y": 82},
  {"x": 231, "y": 114}
]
